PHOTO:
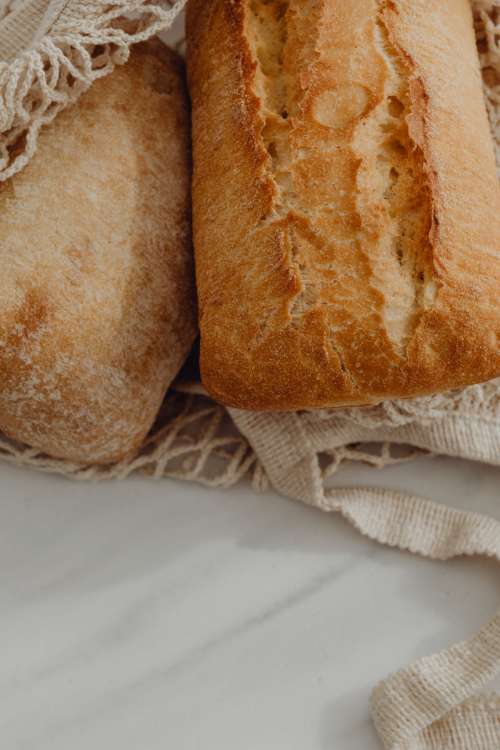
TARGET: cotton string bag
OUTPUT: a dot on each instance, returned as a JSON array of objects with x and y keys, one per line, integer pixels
[{"x": 51, "y": 51}]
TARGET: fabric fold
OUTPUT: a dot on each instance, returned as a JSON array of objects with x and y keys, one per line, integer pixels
[{"x": 425, "y": 706}]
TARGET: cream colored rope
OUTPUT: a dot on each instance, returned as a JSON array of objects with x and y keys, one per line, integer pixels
[{"x": 51, "y": 52}]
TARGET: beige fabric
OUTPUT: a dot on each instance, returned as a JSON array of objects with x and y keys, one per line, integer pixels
[
  {"x": 424, "y": 706},
  {"x": 22, "y": 23},
  {"x": 50, "y": 52}
]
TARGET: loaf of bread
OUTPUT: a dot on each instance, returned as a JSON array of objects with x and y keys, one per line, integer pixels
[
  {"x": 346, "y": 206},
  {"x": 97, "y": 299}
]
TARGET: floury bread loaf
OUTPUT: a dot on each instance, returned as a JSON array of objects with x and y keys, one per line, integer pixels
[
  {"x": 97, "y": 302},
  {"x": 346, "y": 205}
]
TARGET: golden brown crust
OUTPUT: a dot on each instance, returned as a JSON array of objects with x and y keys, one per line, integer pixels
[
  {"x": 97, "y": 308},
  {"x": 346, "y": 205}
]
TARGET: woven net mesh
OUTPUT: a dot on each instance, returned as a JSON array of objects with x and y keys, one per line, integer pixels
[{"x": 195, "y": 438}]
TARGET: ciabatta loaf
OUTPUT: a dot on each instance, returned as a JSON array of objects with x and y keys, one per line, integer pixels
[
  {"x": 97, "y": 301},
  {"x": 346, "y": 203}
]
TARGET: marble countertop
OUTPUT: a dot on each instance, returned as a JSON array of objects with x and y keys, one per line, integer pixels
[{"x": 159, "y": 615}]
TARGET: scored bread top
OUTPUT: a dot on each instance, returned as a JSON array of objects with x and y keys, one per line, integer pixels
[{"x": 346, "y": 204}]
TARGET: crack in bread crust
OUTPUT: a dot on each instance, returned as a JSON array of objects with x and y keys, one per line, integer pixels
[
  {"x": 267, "y": 31},
  {"x": 394, "y": 196},
  {"x": 345, "y": 201},
  {"x": 390, "y": 202}
]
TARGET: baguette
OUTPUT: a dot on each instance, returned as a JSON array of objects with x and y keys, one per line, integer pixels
[
  {"x": 346, "y": 206},
  {"x": 97, "y": 299}
]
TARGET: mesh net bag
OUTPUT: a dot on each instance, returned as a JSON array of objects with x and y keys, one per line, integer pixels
[{"x": 51, "y": 51}]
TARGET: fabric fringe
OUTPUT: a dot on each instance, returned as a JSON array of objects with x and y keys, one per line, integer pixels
[
  {"x": 193, "y": 440},
  {"x": 84, "y": 42}
]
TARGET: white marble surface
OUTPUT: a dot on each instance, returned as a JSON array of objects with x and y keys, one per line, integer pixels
[{"x": 159, "y": 615}]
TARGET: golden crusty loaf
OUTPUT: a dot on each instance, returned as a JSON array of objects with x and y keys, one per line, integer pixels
[
  {"x": 346, "y": 206},
  {"x": 97, "y": 307}
]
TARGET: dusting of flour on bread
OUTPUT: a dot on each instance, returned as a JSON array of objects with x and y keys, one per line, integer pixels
[{"x": 97, "y": 306}]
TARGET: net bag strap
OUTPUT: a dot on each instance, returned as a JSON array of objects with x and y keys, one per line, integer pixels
[{"x": 434, "y": 703}]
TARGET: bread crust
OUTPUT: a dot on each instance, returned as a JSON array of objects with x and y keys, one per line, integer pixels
[
  {"x": 346, "y": 206},
  {"x": 97, "y": 299}
]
